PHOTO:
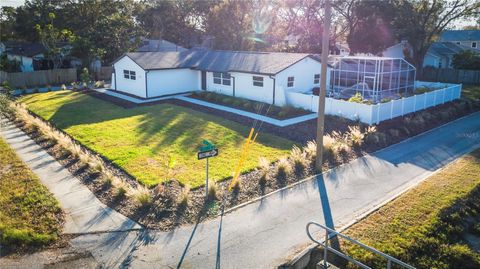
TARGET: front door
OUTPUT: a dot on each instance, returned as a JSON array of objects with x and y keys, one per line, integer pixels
[{"x": 204, "y": 80}]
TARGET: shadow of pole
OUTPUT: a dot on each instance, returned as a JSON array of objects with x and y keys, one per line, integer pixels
[
  {"x": 217, "y": 262},
  {"x": 327, "y": 212},
  {"x": 188, "y": 244}
]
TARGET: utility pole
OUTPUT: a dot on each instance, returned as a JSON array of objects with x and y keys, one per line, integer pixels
[{"x": 323, "y": 87}]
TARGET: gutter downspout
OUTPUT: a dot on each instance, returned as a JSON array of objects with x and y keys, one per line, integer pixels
[
  {"x": 146, "y": 85},
  {"x": 274, "y": 82},
  {"x": 115, "y": 77},
  {"x": 233, "y": 85}
]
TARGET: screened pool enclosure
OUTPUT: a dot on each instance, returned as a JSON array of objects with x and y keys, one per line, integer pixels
[{"x": 375, "y": 78}]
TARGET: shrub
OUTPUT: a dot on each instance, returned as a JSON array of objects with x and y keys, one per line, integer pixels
[
  {"x": 421, "y": 90},
  {"x": 263, "y": 167},
  {"x": 310, "y": 149},
  {"x": 35, "y": 90},
  {"x": 247, "y": 105},
  {"x": 99, "y": 84},
  {"x": 121, "y": 192},
  {"x": 227, "y": 100},
  {"x": 107, "y": 179},
  {"x": 63, "y": 87},
  {"x": 394, "y": 132},
  {"x": 85, "y": 76},
  {"x": 184, "y": 196},
  {"x": 355, "y": 135},
  {"x": 96, "y": 165},
  {"x": 142, "y": 196},
  {"x": 376, "y": 138},
  {"x": 356, "y": 98},
  {"x": 385, "y": 100},
  {"x": 284, "y": 168},
  {"x": 328, "y": 146},
  {"x": 5, "y": 106},
  {"x": 212, "y": 189},
  {"x": 49, "y": 87},
  {"x": 237, "y": 102},
  {"x": 282, "y": 114},
  {"x": 299, "y": 159}
]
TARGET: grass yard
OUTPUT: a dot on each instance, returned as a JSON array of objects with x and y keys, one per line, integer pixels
[
  {"x": 471, "y": 91},
  {"x": 144, "y": 140},
  {"x": 427, "y": 227},
  {"x": 29, "y": 214}
]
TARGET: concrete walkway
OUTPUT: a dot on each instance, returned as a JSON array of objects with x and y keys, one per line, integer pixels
[
  {"x": 183, "y": 97},
  {"x": 84, "y": 212},
  {"x": 264, "y": 233}
]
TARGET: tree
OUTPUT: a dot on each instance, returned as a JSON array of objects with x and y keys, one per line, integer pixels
[
  {"x": 467, "y": 59},
  {"x": 9, "y": 66},
  {"x": 370, "y": 29},
  {"x": 421, "y": 21},
  {"x": 7, "y": 23},
  {"x": 55, "y": 41},
  {"x": 230, "y": 23}
]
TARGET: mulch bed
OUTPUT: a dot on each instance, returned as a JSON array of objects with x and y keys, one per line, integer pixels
[{"x": 165, "y": 213}]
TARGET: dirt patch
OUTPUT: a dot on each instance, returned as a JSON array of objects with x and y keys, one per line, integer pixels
[{"x": 167, "y": 211}]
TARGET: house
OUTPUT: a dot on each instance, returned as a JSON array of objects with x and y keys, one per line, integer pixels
[
  {"x": 396, "y": 50},
  {"x": 466, "y": 38},
  {"x": 25, "y": 53},
  {"x": 158, "y": 45},
  {"x": 440, "y": 54},
  {"x": 341, "y": 49},
  {"x": 260, "y": 76}
]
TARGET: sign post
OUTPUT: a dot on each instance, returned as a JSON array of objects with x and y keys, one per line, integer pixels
[{"x": 207, "y": 151}]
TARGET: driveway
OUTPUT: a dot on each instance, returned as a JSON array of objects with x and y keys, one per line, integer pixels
[{"x": 262, "y": 234}]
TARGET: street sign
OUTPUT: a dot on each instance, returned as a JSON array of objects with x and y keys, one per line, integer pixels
[
  {"x": 207, "y": 151},
  {"x": 207, "y": 154}
]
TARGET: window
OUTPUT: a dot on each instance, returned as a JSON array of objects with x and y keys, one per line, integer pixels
[
  {"x": 316, "y": 79},
  {"x": 290, "y": 81},
  {"x": 226, "y": 79},
  {"x": 258, "y": 81},
  {"x": 458, "y": 43},
  {"x": 474, "y": 44},
  {"x": 217, "y": 78},
  {"x": 129, "y": 74},
  {"x": 222, "y": 78}
]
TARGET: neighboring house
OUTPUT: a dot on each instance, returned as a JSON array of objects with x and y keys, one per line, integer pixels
[
  {"x": 396, "y": 50},
  {"x": 25, "y": 53},
  {"x": 467, "y": 38},
  {"x": 261, "y": 76},
  {"x": 440, "y": 54},
  {"x": 341, "y": 49},
  {"x": 158, "y": 45}
]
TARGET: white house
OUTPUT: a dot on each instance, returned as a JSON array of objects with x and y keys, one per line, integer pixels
[
  {"x": 23, "y": 52},
  {"x": 260, "y": 76}
]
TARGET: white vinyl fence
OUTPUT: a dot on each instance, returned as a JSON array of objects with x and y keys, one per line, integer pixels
[{"x": 374, "y": 114}]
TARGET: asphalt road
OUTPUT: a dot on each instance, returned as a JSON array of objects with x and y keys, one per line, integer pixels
[{"x": 264, "y": 233}]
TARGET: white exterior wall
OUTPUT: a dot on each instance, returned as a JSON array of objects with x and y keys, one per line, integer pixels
[
  {"x": 135, "y": 87},
  {"x": 244, "y": 87},
  {"x": 172, "y": 81},
  {"x": 303, "y": 73},
  {"x": 395, "y": 51}
]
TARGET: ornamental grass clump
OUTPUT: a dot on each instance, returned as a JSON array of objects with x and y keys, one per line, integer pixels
[
  {"x": 212, "y": 189},
  {"x": 310, "y": 150},
  {"x": 184, "y": 197},
  {"x": 299, "y": 159},
  {"x": 263, "y": 168},
  {"x": 142, "y": 196},
  {"x": 284, "y": 168},
  {"x": 328, "y": 146},
  {"x": 355, "y": 136}
]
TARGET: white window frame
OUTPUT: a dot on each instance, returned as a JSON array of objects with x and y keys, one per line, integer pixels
[
  {"x": 257, "y": 81},
  {"x": 290, "y": 82},
  {"x": 222, "y": 78},
  {"x": 316, "y": 79}
]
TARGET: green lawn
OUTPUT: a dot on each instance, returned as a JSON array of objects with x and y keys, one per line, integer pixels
[
  {"x": 142, "y": 140},
  {"x": 426, "y": 227},
  {"x": 29, "y": 214},
  {"x": 471, "y": 91}
]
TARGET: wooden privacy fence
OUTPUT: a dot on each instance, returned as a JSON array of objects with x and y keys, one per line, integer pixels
[
  {"x": 40, "y": 77},
  {"x": 450, "y": 75}
]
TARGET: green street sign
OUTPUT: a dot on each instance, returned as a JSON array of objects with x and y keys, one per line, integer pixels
[{"x": 208, "y": 146}]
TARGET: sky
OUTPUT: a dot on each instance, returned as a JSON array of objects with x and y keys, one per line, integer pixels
[{"x": 15, "y": 3}]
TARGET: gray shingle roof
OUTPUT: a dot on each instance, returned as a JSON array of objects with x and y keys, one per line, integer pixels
[
  {"x": 460, "y": 35},
  {"x": 446, "y": 48},
  {"x": 218, "y": 61}
]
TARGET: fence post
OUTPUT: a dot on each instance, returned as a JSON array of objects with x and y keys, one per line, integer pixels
[
  {"x": 391, "y": 109},
  {"x": 414, "y": 102}
]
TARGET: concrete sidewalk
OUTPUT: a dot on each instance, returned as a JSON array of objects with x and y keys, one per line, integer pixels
[
  {"x": 264, "y": 233},
  {"x": 84, "y": 213}
]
